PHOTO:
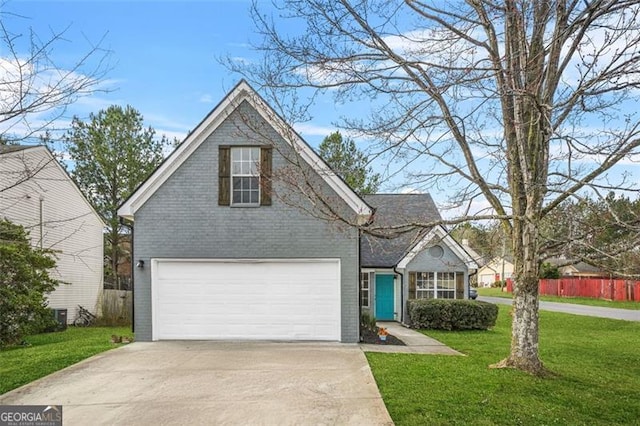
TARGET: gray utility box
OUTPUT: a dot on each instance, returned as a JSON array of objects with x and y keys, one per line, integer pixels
[{"x": 61, "y": 316}]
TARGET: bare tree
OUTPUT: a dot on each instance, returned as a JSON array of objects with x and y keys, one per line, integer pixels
[
  {"x": 36, "y": 88},
  {"x": 521, "y": 103}
]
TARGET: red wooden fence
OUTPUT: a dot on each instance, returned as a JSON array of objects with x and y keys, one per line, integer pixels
[{"x": 598, "y": 288}]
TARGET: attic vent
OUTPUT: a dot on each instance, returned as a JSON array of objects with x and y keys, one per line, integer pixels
[{"x": 436, "y": 251}]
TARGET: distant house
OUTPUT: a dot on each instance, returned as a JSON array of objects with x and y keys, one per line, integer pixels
[
  {"x": 37, "y": 193},
  {"x": 497, "y": 269},
  {"x": 574, "y": 268}
]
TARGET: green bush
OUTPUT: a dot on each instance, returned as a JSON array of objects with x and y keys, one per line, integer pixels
[
  {"x": 498, "y": 284},
  {"x": 368, "y": 321},
  {"x": 447, "y": 314},
  {"x": 549, "y": 271},
  {"x": 24, "y": 283}
]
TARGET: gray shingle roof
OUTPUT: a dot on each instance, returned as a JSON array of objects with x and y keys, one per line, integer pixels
[
  {"x": 577, "y": 264},
  {"x": 6, "y": 149},
  {"x": 390, "y": 210}
]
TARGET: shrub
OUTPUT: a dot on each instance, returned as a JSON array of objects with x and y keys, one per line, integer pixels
[
  {"x": 549, "y": 271},
  {"x": 368, "y": 321},
  {"x": 24, "y": 283},
  {"x": 498, "y": 284},
  {"x": 443, "y": 314}
]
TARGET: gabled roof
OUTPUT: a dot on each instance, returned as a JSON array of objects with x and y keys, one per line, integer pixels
[
  {"x": 577, "y": 265},
  {"x": 480, "y": 260},
  {"x": 12, "y": 149},
  {"x": 440, "y": 234},
  {"x": 241, "y": 92},
  {"x": 390, "y": 210},
  {"x": 397, "y": 210}
]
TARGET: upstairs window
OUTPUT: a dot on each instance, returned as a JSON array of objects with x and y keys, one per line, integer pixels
[{"x": 244, "y": 175}]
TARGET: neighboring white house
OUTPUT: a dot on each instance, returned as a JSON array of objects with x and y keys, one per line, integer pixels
[
  {"x": 37, "y": 193},
  {"x": 498, "y": 269}
]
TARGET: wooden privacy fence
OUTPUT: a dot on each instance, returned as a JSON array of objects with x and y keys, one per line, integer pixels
[
  {"x": 115, "y": 307},
  {"x": 597, "y": 288}
]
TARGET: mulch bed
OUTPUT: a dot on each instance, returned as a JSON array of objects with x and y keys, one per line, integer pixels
[{"x": 369, "y": 336}]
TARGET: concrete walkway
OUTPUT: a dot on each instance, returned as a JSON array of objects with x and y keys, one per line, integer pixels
[
  {"x": 571, "y": 308},
  {"x": 416, "y": 343}
]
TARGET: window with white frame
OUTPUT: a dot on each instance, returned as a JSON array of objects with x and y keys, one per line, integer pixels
[
  {"x": 446, "y": 283},
  {"x": 435, "y": 285},
  {"x": 245, "y": 176},
  {"x": 425, "y": 285},
  {"x": 365, "y": 282}
]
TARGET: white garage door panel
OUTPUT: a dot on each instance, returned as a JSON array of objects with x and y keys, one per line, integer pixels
[{"x": 276, "y": 300}]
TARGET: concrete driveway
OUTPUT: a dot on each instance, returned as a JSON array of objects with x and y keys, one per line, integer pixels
[{"x": 218, "y": 383}]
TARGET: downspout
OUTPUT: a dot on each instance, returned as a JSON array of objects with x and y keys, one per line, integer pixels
[
  {"x": 41, "y": 222},
  {"x": 360, "y": 287},
  {"x": 401, "y": 293},
  {"x": 123, "y": 222}
]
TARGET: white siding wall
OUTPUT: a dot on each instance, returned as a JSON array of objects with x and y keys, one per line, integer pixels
[
  {"x": 487, "y": 274},
  {"x": 69, "y": 224}
]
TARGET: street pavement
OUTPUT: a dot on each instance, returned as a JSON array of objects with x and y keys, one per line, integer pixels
[{"x": 570, "y": 308}]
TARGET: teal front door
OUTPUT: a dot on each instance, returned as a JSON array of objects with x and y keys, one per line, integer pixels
[{"x": 384, "y": 297}]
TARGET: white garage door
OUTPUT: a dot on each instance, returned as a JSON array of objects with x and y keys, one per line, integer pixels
[{"x": 253, "y": 300}]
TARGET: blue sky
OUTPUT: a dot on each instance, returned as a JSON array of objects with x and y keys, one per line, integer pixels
[
  {"x": 163, "y": 54},
  {"x": 164, "y": 58}
]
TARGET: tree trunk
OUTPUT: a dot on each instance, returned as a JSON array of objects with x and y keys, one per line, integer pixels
[{"x": 524, "y": 330}]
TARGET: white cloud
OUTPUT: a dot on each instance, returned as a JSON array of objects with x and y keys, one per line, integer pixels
[
  {"x": 160, "y": 121},
  {"x": 306, "y": 129},
  {"x": 206, "y": 99},
  {"x": 410, "y": 190}
]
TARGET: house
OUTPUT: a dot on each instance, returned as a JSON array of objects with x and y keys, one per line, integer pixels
[
  {"x": 238, "y": 234},
  {"x": 37, "y": 193},
  {"x": 415, "y": 264},
  {"x": 576, "y": 268},
  {"x": 497, "y": 269}
]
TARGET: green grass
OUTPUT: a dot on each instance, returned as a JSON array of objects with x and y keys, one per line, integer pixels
[
  {"x": 596, "y": 364},
  {"x": 496, "y": 292},
  {"x": 51, "y": 352}
]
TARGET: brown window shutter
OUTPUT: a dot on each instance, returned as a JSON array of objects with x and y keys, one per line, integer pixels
[
  {"x": 266, "y": 155},
  {"x": 459, "y": 285},
  {"x": 224, "y": 176},
  {"x": 412, "y": 285}
]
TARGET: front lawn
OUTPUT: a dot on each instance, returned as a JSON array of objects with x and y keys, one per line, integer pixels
[
  {"x": 596, "y": 361},
  {"x": 496, "y": 292},
  {"x": 51, "y": 352}
]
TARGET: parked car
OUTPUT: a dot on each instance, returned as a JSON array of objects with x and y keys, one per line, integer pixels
[{"x": 473, "y": 293}]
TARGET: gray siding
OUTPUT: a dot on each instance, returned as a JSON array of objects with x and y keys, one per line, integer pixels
[
  {"x": 424, "y": 262},
  {"x": 449, "y": 262},
  {"x": 183, "y": 220}
]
